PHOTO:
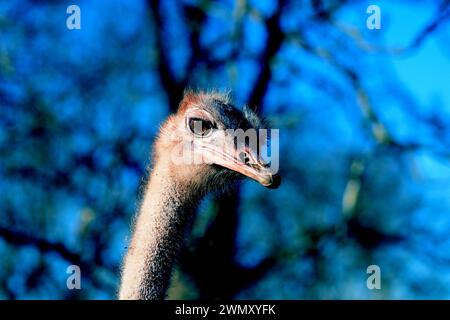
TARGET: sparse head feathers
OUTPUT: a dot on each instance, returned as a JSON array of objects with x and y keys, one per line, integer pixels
[
  {"x": 192, "y": 98},
  {"x": 215, "y": 103},
  {"x": 220, "y": 106}
]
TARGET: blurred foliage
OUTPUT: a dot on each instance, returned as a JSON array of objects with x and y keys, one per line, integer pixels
[{"x": 364, "y": 156}]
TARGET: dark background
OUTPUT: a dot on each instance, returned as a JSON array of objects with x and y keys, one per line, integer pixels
[{"x": 364, "y": 132}]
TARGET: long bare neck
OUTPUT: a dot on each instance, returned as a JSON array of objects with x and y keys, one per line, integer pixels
[{"x": 160, "y": 228}]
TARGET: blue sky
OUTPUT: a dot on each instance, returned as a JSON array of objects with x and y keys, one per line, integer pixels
[{"x": 424, "y": 71}]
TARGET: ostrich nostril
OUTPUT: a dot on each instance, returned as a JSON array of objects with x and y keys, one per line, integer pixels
[{"x": 244, "y": 157}]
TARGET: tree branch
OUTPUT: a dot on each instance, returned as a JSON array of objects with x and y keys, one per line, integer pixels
[
  {"x": 274, "y": 41},
  {"x": 20, "y": 238}
]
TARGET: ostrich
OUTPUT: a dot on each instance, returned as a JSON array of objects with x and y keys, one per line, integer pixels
[{"x": 174, "y": 189}]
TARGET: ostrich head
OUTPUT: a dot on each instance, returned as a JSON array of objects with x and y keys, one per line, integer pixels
[{"x": 198, "y": 146}]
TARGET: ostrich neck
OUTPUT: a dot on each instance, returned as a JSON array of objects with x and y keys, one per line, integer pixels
[{"x": 159, "y": 230}]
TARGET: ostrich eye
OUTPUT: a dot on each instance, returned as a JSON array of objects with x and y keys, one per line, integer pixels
[{"x": 200, "y": 127}]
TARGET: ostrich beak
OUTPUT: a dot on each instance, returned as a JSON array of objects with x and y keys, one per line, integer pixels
[{"x": 242, "y": 160}]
